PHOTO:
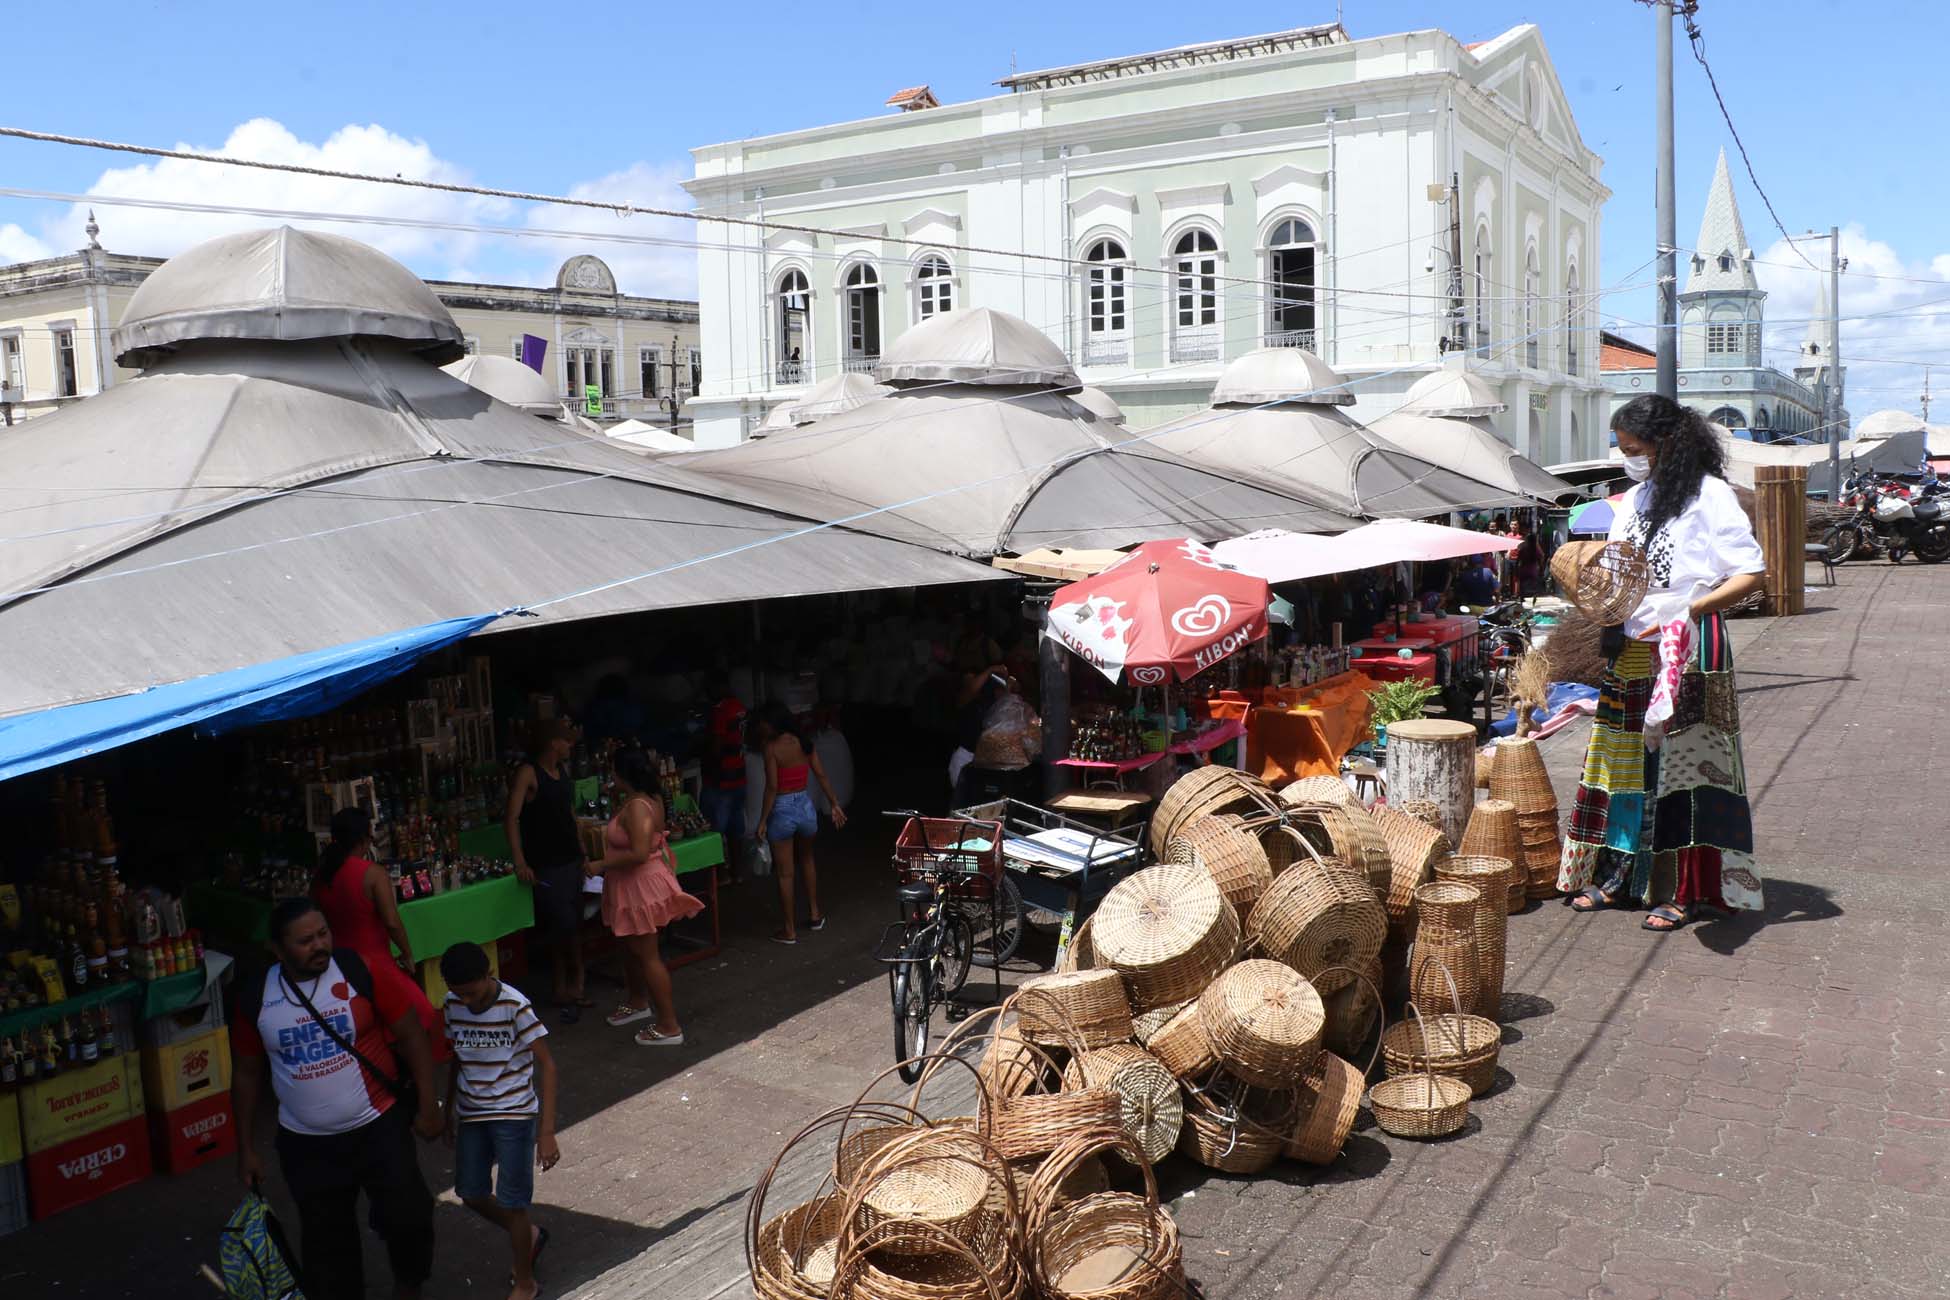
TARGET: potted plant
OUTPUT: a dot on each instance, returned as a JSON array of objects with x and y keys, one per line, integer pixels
[{"x": 1397, "y": 702}]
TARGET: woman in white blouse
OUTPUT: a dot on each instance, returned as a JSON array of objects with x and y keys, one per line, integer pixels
[{"x": 1662, "y": 819}]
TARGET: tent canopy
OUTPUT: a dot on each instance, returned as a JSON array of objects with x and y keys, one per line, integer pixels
[
  {"x": 1460, "y": 393},
  {"x": 976, "y": 345},
  {"x": 648, "y": 437},
  {"x": 1469, "y": 445},
  {"x": 842, "y": 392},
  {"x": 507, "y": 380}
]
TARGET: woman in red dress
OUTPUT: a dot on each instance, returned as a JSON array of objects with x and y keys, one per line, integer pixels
[
  {"x": 356, "y": 895},
  {"x": 640, "y": 897}
]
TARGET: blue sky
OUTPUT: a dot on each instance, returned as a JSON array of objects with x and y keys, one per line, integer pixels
[{"x": 607, "y": 99}]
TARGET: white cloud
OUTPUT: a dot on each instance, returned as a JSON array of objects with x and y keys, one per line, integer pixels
[
  {"x": 16, "y": 245},
  {"x": 652, "y": 269}
]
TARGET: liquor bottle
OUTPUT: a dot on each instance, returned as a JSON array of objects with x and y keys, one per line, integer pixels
[
  {"x": 29, "y": 1064},
  {"x": 89, "y": 1042},
  {"x": 77, "y": 960},
  {"x": 97, "y": 948},
  {"x": 70, "y": 1048},
  {"x": 9, "y": 1064},
  {"x": 110, "y": 1046}
]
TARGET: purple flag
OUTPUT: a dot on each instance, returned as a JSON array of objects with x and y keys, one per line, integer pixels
[{"x": 532, "y": 352}]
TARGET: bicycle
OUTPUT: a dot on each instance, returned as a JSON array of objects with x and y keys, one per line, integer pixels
[{"x": 950, "y": 872}]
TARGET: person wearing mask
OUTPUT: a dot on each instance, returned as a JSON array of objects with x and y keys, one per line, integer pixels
[
  {"x": 356, "y": 895},
  {"x": 640, "y": 897},
  {"x": 1662, "y": 819},
  {"x": 789, "y": 818},
  {"x": 540, "y": 822},
  {"x": 352, "y": 1076}
]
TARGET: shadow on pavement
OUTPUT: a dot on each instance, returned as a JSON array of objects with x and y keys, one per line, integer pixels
[{"x": 1788, "y": 901}]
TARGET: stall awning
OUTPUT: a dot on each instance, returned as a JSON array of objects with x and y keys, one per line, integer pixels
[{"x": 295, "y": 687}]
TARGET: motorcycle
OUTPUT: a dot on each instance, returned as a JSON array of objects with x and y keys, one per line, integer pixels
[{"x": 1892, "y": 519}]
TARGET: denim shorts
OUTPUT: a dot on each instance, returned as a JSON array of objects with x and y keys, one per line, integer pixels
[
  {"x": 792, "y": 814},
  {"x": 481, "y": 1146},
  {"x": 724, "y": 810}
]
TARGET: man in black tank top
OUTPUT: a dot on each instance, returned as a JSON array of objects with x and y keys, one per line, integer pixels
[{"x": 547, "y": 849}]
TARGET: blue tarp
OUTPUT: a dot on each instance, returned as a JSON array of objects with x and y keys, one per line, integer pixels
[
  {"x": 296, "y": 687},
  {"x": 1556, "y": 696}
]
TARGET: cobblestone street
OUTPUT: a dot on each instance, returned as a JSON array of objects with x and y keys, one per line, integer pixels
[{"x": 1746, "y": 1109}]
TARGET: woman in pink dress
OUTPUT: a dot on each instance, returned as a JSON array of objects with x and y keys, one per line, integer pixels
[{"x": 640, "y": 897}]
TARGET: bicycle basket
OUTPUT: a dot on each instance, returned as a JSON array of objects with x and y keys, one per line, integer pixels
[{"x": 944, "y": 847}]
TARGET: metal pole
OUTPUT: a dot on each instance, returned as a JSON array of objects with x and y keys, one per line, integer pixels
[
  {"x": 1667, "y": 343},
  {"x": 1834, "y": 413}
]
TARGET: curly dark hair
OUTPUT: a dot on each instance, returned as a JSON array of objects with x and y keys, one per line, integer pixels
[{"x": 1688, "y": 452}]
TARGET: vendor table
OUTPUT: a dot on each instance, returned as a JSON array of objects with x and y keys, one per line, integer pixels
[
  {"x": 1113, "y": 806},
  {"x": 1059, "y": 865},
  {"x": 481, "y": 912},
  {"x": 1293, "y": 732},
  {"x": 1393, "y": 667},
  {"x": 698, "y": 853},
  {"x": 1203, "y": 742}
]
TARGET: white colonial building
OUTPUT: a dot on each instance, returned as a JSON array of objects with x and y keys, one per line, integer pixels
[{"x": 1382, "y": 201}]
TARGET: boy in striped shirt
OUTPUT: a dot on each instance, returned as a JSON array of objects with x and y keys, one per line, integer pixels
[{"x": 500, "y": 1103}]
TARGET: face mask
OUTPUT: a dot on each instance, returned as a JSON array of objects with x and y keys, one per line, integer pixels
[{"x": 1638, "y": 468}]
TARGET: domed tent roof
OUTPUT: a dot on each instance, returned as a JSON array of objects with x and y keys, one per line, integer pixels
[
  {"x": 977, "y": 346},
  {"x": 283, "y": 285},
  {"x": 506, "y": 380},
  {"x": 1457, "y": 394},
  {"x": 1100, "y": 404},
  {"x": 842, "y": 392},
  {"x": 1293, "y": 376},
  {"x": 1886, "y": 424}
]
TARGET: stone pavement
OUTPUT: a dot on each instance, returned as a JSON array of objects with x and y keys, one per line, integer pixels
[{"x": 1752, "y": 1108}]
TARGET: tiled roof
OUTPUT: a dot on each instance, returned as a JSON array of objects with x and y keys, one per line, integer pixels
[
  {"x": 912, "y": 95},
  {"x": 1616, "y": 353}
]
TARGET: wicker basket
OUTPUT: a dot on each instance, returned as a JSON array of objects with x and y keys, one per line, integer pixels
[
  {"x": 1089, "y": 1006},
  {"x": 1080, "y": 953},
  {"x": 1519, "y": 776},
  {"x": 1108, "y": 1246},
  {"x": 1085, "y": 1178},
  {"x": 1426, "y": 811},
  {"x": 1145, "y": 1027},
  {"x": 1011, "y": 1066},
  {"x": 1264, "y": 1023},
  {"x": 1494, "y": 876},
  {"x": 942, "y": 1178},
  {"x": 1232, "y": 854},
  {"x": 1151, "y": 1109},
  {"x": 1182, "y": 1046},
  {"x": 1606, "y": 580},
  {"x": 911, "y": 1260},
  {"x": 1330, "y": 1103},
  {"x": 1319, "y": 918},
  {"x": 1204, "y": 791},
  {"x": 1420, "y": 1104},
  {"x": 796, "y": 1254},
  {"x": 1351, "y": 834},
  {"x": 1447, "y": 905},
  {"x": 1032, "y": 1124},
  {"x": 1493, "y": 832},
  {"x": 1168, "y": 930},
  {"x": 1234, "y": 1128},
  {"x": 1413, "y": 847},
  {"x": 1461, "y": 1046},
  {"x": 1351, "y": 1011},
  {"x": 1319, "y": 789},
  {"x": 1483, "y": 766},
  {"x": 1489, "y": 925},
  {"x": 1439, "y": 961},
  {"x": 1543, "y": 851}
]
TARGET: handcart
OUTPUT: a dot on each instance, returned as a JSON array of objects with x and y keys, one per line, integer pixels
[{"x": 1059, "y": 864}]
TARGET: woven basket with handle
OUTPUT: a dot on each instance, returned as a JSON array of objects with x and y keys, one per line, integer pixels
[
  {"x": 1182, "y": 1045},
  {"x": 1329, "y": 1099},
  {"x": 1350, "y": 833},
  {"x": 1207, "y": 790},
  {"x": 1319, "y": 789},
  {"x": 1321, "y": 919},
  {"x": 1232, "y": 1127},
  {"x": 897, "y": 1259},
  {"x": 1455, "y": 1043},
  {"x": 1150, "y": 1108},
  {"x": 1232, "y": 854},
  {"x": 1490, "y": 924},
  {"x": 1420, "y": 1104},
  {"x": 1264, "y": 1023},
  {"x": 1109, "y": 1246},
  {"x": 1168, "y": 930},
  {"x": 1436, "y": 959},
  {"x": 1090, "y": 1006},
  {"x": 1606, "y": 580},
  {"x": 1351, "y": 1011}
]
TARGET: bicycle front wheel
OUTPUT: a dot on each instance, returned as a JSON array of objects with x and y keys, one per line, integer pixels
[
  {"x": 954, "y": 954},
  {"x": 911, "y": 1013}
]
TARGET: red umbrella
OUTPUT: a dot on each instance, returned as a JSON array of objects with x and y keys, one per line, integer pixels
[{"x": 1166, "y": 607}]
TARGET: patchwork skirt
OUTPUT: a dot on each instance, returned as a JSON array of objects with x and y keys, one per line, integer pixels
[{"x": 1671, "y": 825}]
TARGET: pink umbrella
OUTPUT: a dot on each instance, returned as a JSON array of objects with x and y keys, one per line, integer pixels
[
  {"x": 1280, "y": 556},
  {"x": 1395, "y": 541}
]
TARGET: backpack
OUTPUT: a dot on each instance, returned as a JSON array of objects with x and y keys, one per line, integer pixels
[
  {"x": 250, "y": 993},
  {"x": 258, "y": 1262}
]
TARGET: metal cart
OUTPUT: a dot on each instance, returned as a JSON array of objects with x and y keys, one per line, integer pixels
[{"x": 1058, "y": 863}]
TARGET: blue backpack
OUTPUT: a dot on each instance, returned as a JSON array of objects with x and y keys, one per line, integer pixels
[{"x": 258, "y": 1262}]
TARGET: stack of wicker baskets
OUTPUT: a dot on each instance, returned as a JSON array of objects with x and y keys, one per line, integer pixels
[{"x": 1518, "y": 777}]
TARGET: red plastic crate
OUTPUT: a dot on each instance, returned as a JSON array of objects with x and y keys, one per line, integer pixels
[
  {"x": 77, "y": 1172},
  {"x": 193, "y": 1135}
]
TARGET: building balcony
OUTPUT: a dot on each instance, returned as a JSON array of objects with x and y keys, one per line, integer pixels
[
  {"x": 1200, "y": 343},
  {"x": 791, "y": 374},
  {"x": 859, "y": 365},
  {"x": 1109, "y": 350},
  {"x": 1306, "y": 340}
]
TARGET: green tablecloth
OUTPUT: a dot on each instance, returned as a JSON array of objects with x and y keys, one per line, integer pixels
[
  {"x": 693, "y": 854},
  {"x": 482, "y": 913},
  {"x": 699, "y": 852}
]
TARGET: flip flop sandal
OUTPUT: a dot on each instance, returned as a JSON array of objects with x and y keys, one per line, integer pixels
[
  {"x": 1677, "y": 917},
  {"x": 534, "y": 1258},
  {"x": 1595, "y": 898}
]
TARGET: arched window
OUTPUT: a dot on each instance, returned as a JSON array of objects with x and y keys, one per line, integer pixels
[
  {"x": 1762, "y": 420},
  {"x": 795, "y": 304},
  {"x": 861, "y": 306},
  {"x": 1728, "y": 417},
  {"x": 1106, "y": 319},
  {"x": 1480, "y": 312},
  {"x": 934, "y": 287},
  {"x": 1573, "y": 310},
  {"x": 1291, "y": 258},
  {"x": 1533, "y": 285},
  {"x": 1195, "y": 297}
]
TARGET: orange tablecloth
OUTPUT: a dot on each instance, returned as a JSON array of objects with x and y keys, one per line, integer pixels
[{"x": 1296, "y": 732}]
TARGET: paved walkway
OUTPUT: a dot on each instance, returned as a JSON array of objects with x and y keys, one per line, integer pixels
[{"x": 1745, "y": 1109}]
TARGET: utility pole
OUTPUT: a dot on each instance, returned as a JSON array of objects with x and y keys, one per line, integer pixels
[
  {"x": 675, "y": 403},
  {"x": 1834, "y": 364},
  {"x": 1667, "y": 343},
  {"x": 1926, "y": 394}
]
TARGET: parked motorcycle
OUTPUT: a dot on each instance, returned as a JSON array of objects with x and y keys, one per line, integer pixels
[{"x": 1891, "y": 518}]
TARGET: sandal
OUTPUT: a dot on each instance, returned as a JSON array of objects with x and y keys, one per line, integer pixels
[
  {"x": 651, "y": 1036},
  {"x": 1674, "y": 917},
  {"x": 625, "y": 1014},
  {"x": 782, "y": 937},
  {"x": 1594, "y": 900}
]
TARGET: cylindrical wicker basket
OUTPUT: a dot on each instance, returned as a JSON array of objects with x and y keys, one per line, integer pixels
[
  {"x": 1447, "y": 905},
  {"x": 1264, "y": 1022},
  {"x": 1500, "y": 877},
  {"x": 1543, "y": 851},
  {"x": 1071, "y": 1248},
  {"x": 1232, "y": 854},
  {"x": 1319, "y": 917},
  {"x": 1413, "y": 847},
  {"x": 1493, "y": 832},
  {"x": 1420, "y": 1105},
  {"x": 910, "y": 1260},
  {"x": 941, "y": 1177},
  {"x": 1182, "y": 1045},
  {"x": 1350, "y": 833},
  {"x": 1168, "y": 930},
  {"x": 1519, "y": 776},
  {"x": 1233, "y": 1128},
  {"x": 1319, "y": 789},
  {"x": 1090, "y": 1004},
  {"x": 1033, "y": 1123},
  {"x": 1426, "y": 811},
  {"x": 1145, "y": 1027},
  {"x": 1206, "y": 790},
  {"x": 1441, "y": 960},
  {"x": 1151, "y": 1109},
  {"x": 1330, "y": 1103},
  {"x": 1490, "y": 925},
  {"x": 1080, "y": 953},
  {"x": 1606, "y": 580}
]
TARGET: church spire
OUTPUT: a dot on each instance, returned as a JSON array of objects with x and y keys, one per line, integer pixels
[{"x": 1721, "y": 258}]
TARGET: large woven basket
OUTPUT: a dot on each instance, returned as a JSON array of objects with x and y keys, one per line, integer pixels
[
  {"x": 1033, "y": 1123},
  {"x": 1519, "y": 776},
  {"x": 942, "y": 1177},
  {"x": 797, "y": 1253},
  {"x": 1492, "y": 832},
  {"x": 1232, "y": 854},
  {"x": 1081, "y": 952},
  {"x": 1462, "y": 1046},
  {"x": 1145, "y": 1027},
  {"x": 1206, "y": 790},
  {"x": 1500, "y": 877},
  {"x": 910, "y": 1260},
  {"x": 1413, "y": 847},
  {"x": 1447, "y": 905},
  {"x": 1108, "y": 1246},
  {"x": 1606, "y": 580},
  {"x": 1319, "y": 789},
  {"x": 1150, "y": 1107},
  {"x": 1490, "y": 924},
  {"x": 1543, "y": 851},
  {"x": 1350, "y": 833},
  {"x": 1426, "y": 811},
  {"x": 1264, "y": 1022},
  {"x": 1168, "y": 930},
  {"x": 1085, "y": 1178},
  {"x": 1419, "y": 1104},
  {"x": 1330, "y": 1103},
  {"x": 1181, "y": 1044},
  {"x": 1011, "y": 1066},
  {"x": 1233, "y": 1128},
  {"x": 1319, "y": 917},
  {"x": 1089, "y": 1005},
  {"x": 1351, "y": 1011},
  {"x": 1440, "y": 961}
]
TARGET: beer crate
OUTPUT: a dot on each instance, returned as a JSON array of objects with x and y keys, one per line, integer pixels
[
  {"x": 178, "y": 1026},
  {"x": 93, "y": 1165},
  {"x": 75, "y": 1102},
  {"x": 13, "y": 1197},
  {"x": 193, "y": 1135},
  {"x": 189, "y": 1070},
  {"x": 11, "y": 1148}
]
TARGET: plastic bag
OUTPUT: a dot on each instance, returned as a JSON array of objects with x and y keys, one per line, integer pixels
[
  {"x": 758, "y": 857},
  {"x": 1012, "y": 735}
]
